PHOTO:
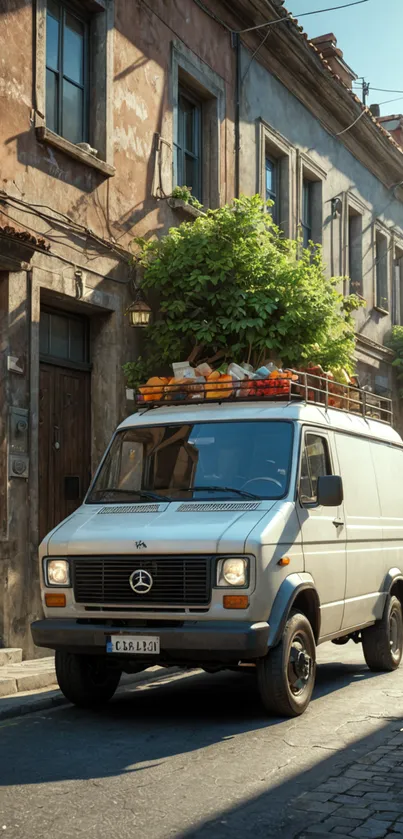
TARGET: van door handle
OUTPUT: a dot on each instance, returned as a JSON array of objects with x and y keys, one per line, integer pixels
[{"x": 338, "y": 522}]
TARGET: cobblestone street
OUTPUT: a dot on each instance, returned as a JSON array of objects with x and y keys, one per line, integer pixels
[
  {"x": 365, "y": 801},
  {"x": 193, "y": 755}
]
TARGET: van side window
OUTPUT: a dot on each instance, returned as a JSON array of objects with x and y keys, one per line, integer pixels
[{"x": 315, "y": 463}]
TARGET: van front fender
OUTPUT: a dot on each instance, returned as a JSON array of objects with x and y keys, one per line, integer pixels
[{"x": 286, "y": 596}]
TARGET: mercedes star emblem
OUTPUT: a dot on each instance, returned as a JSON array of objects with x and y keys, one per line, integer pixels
[{"x": 141, "y": 581}]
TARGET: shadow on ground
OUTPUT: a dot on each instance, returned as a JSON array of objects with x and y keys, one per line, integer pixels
[{"x": 143, "y": 727}]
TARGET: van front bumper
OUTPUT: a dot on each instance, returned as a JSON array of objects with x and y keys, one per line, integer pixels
[{"x": 219, "y": 641}]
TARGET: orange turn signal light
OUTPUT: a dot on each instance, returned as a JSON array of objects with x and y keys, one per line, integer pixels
[
  {"x": 235, "y": 601},
  {"x": 285, "y": 560},
  {"x": 55, "y": 600}
]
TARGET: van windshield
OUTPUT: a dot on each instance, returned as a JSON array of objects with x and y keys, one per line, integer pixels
[{"x": 196, "y": 462}]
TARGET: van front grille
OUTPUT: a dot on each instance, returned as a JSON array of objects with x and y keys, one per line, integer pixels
[{"x": 175, "y": 580}]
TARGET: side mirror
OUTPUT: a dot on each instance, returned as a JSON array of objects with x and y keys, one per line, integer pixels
[{"x": 330, "y": 491}]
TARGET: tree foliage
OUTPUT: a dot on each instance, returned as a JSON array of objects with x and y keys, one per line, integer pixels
[
  {"x": 232, "y": 287},
  {"x": 395, "y": 343}
]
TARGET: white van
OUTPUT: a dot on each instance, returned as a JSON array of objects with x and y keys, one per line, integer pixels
[{"x": 225, "y": 535}]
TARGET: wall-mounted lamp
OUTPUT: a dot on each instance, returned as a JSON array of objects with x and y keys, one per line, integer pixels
[
  {"x": 139, "y": 313},
  {"x": 337, "y": 206}
]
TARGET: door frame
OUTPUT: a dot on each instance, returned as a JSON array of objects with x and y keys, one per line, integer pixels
[{"x": 67, "y": 364}]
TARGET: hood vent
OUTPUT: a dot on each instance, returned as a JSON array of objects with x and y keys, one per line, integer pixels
[
  {"x": 130, "y": 508},
  {"x": 219, "y": 507}
]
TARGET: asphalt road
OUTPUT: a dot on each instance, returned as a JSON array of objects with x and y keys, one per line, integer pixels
[{"x": 191, "y": 756}]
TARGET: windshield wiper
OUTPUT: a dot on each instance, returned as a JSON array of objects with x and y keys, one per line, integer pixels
[
  {"x": 225, "y": 489},
  {"x": 143, "y": 493}
]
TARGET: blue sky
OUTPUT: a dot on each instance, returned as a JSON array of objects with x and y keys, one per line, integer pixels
[{"x": 370, "y": 36}]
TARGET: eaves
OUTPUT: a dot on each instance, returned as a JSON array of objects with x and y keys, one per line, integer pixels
[{"x": 288, "y": 55}]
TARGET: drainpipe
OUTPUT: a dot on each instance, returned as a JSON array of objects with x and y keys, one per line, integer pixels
[{"x": 236, "y": 43}]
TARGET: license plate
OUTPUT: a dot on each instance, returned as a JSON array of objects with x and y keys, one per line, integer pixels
[{"x": 133, "y": 644}]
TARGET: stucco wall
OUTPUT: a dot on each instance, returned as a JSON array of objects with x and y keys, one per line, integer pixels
[
  {"x": 264, "y": 97},
  {"x": 140, "y": 103}
]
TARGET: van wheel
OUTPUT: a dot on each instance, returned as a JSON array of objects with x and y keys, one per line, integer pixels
[
  {"x": 286, "y": 676},
  {"x": 86, "y": 680},
  {"x": 383, "y": 642}
]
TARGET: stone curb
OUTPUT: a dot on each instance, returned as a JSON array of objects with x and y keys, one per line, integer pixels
[{"x": 17, "y": 705}]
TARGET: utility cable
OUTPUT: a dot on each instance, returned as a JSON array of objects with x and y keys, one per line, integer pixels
[
  {"x": 285, "y": 17},
  {"x": 380, "y": 89}
]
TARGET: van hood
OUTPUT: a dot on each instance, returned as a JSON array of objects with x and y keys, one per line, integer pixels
[{"x": 176, "y": 527}]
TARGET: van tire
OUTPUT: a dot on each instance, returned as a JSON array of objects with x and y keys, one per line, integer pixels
[
  {"x": 383, "y": 642},
  {"x": 276, "y": 672},
  {"x": 86, "y": 680}
]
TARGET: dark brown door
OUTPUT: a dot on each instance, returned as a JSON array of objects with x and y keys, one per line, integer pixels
[{"x": 64, "y": 443}]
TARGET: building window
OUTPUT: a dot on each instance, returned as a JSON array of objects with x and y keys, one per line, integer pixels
[
  {"x": 188, "y": 144},
  {"x": 397, "y": 296},
  {"x": 63, "y": 337},
  {"x": 381, "y": 271},
  {"x": 306, "y": 214},
  {"x": 272, "y": 185},
  {"x": 67, "y": 72},
  {"x": 355, "y": 252}
]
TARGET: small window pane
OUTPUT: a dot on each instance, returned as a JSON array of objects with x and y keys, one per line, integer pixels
[
  {"x": 270, "y": 178},
  {"x": 191, "y": 179},
  {"x": 73, "y": 51},
  {"x": 72, "y": 113},
  {"x": 315, "y": 464},
  {"x": 77, "y": 341},
  {"x": 382, "y": 272},
  {"x": 190, "y": 134},
  {"x": 51, "y": 100},
  {"x": 59, "y": 336},
  {"x": 52, "y": 38},
  {"x": 44, "y": 334}
]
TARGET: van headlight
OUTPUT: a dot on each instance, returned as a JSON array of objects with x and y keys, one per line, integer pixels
[
  {"x": 57, "y": 572},
  {"x": 233, "y": 571}
]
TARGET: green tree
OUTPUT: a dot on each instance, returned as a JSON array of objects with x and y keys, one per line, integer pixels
[
  {"x": 231, "y": 287},
  {"x": 395, "y": 343}
]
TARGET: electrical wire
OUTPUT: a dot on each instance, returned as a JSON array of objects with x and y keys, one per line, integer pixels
[
  {"x": 302, "y": 14},
  {"x": 380, "y": 89},
  {"x": 339, "y": 133},
  {"x": 66, "y": 222},
  {"x": 285, "y": 17}
]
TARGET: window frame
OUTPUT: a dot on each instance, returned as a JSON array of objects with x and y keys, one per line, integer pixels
[
  {"x": 308, "y": 170},
  {"x": 306, "y": 204},
  {"x": 181, "y": 151},
  {"x": 316, "y": 432},
  {"x": 101, "y": 110},
  {"x": 352, "y": 246},
  {"x": 397, "y": 283},
  {"x": 274, "y": 195},
  {"x": 383, "y": 259},
  {"x": 69, "y": 8},
  {"x": 60, "y": 361},
  {"x": 190, "y": 72},
  {"x": 274, "y": 146}
]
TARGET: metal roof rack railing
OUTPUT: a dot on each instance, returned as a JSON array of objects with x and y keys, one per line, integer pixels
[{"x": 290, "y": 386}]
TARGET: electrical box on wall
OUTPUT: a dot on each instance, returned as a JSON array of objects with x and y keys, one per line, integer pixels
[{"x": 18, "y": 452}]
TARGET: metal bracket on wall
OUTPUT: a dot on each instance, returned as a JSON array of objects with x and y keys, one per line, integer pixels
[{"x": 18, "y": 460}]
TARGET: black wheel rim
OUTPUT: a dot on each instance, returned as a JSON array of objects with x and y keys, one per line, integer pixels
[
  {"x": 395, "y": 634},
  {"x": 300, "y": 664}
]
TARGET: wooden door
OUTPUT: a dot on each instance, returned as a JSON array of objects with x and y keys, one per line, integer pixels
[{"x": 64, "y": 443}]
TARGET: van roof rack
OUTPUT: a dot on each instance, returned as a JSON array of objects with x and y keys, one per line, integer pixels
[{"x": 291, "y": 386}]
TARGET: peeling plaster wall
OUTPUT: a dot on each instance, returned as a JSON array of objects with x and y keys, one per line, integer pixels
[{"x": 115, "y": 208}]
